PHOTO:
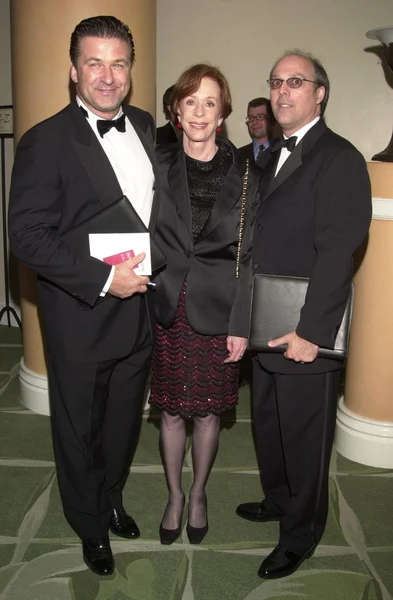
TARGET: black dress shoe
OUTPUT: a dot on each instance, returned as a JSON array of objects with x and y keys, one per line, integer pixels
[
  {"x": 256, "y": 511},
  {"x": 281, "y": 562},
  {"x": 98, "y": 556},
  {"x": 123, "y": 525}
]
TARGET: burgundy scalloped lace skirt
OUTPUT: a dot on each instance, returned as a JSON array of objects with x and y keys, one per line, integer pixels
[{"x": 189, "y": 377}]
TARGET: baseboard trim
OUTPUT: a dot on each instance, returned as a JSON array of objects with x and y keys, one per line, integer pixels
[
  {"x": 362, "y": 440},
  {"x": 34, "y": 390}
]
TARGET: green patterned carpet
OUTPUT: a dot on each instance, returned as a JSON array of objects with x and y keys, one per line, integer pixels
[{"x": 40, "y": 557}]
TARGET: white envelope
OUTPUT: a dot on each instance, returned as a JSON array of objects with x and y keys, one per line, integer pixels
[{"x": 103, "y": 245}]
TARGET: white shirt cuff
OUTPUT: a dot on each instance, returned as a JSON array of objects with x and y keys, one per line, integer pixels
[{"x": 108, "y": 281}]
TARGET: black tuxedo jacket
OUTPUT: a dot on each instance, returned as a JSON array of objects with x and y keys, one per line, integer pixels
[
  {"x": 166, "y": 135},
  {"x": 216, "y": 303},
  {"x": 313, "y": 216},
  {"x": 247, "y": 151},
  {"x": 62, "y": 176}
]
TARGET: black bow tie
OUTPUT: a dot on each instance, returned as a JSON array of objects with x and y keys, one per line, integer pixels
[
  {"x": 289, "y": 144},
  {"x": 104, "y": 125}
]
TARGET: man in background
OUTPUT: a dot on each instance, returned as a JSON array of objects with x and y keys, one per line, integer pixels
[
  {"x": 260, "y": 122},
  {"x": 168, "y": 134}
]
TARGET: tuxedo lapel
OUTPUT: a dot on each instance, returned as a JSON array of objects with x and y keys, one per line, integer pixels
[
  {"x": 149, "y": 149},
  {"x": 177, "y": 180},
  {"x": 98, "y": 166},
  {"x": 293, "y": 163},
  {"x": 94, "y": 159}
]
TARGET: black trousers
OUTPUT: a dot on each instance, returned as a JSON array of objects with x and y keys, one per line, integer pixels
[
  {"x": 294, "y": 419},
  {"x": 96, "y": 415}
]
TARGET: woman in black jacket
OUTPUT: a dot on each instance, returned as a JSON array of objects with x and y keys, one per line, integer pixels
[{"x": 204, "y": 229}]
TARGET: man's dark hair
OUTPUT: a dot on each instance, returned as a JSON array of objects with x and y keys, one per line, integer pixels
[
  {"x": 262, "y": 102},
  {"x": 102, "y": 27},
  {"x": 166, "y": 101},
  {"x": 320, "y": 76}
]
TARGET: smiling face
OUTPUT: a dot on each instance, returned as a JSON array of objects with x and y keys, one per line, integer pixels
[
  {"x": 294, "y": 108},
  {"x": 258, "y": 129},
  {"x": 200, "y": 113},
  {"x": 102, "y": 74}
]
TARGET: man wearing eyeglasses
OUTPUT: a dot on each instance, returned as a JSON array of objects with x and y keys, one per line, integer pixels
[
  {"x": 315, "y": 212},
  {"x": 259, "y": 123}
]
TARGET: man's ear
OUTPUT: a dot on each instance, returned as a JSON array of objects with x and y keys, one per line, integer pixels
[
  {"x": 73, "y": 74},
  {"x": 321, "y": 91}
]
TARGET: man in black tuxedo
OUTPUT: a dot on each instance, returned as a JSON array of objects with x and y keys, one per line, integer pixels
[
  {"x": 96, "y": 318},
  {"x": 315, "y": 211},
  {"x": 260, "y": 122},
  {"x": 167, "y": 133}
]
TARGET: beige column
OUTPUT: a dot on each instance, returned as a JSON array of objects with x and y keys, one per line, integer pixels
[
  {"x": 364, "y": 430},
  {"x": 40, "y": 36}
]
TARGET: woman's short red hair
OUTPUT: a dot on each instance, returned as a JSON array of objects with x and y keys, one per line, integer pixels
[{"x": 190, "y": 80}]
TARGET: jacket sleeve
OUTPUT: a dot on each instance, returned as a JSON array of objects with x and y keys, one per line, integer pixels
[
  {"x": 34, "y": 218},
  {"x": 342, "y": 217}
]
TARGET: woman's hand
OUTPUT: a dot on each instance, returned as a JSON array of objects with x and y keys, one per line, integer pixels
[{"x": 236, "y": 347}]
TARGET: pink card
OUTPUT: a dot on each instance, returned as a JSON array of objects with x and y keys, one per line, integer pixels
[{"x": 116, "y": 259}]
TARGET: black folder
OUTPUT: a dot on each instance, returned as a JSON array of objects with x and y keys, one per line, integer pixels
[
  {"x": 118, "y": 217},
  {"x": 275, "y": 310}
]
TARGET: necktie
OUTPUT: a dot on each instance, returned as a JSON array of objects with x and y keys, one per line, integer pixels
[
  {"x": 290, "y": 144},
  {"x": 261, "y": 149},
  {"x": 104, "y": 125}
]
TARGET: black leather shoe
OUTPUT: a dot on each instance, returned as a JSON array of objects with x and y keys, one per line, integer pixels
[
  {"x": 281, "y": 562},
  {"x": 123, "y": 525},
  {"x": 98, "y": 556},
  {"x": 256, "y": 511}
]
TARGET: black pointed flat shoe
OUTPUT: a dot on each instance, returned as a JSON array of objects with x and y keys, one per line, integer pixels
[
  {"x": 196, "y": 534},
  {"x": 168, "y": 536}
]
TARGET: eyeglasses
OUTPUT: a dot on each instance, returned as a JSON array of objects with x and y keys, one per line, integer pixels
[
  {"x": 256, "y": 118},
  {"x": 292, "y": 82}
]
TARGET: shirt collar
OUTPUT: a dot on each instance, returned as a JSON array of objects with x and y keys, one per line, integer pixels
[
  {"x": 256, "y": 145},
  {"x": 93, "y": 118},
  {"x": 303, "y": 130}
]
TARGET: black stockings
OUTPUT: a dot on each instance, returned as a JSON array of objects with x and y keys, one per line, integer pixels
[{"x": 204, "y": 448}]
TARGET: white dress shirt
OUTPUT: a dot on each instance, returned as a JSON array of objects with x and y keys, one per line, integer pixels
[
  {"x": 131, "y": 165},
  {"x": 285, "y": 154}
]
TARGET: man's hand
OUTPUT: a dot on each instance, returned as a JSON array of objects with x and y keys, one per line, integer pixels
[
  {"x": 125, "y": 281},
  {"x": 236, "y": 347},
  {"x": 299, "y": 349}
]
